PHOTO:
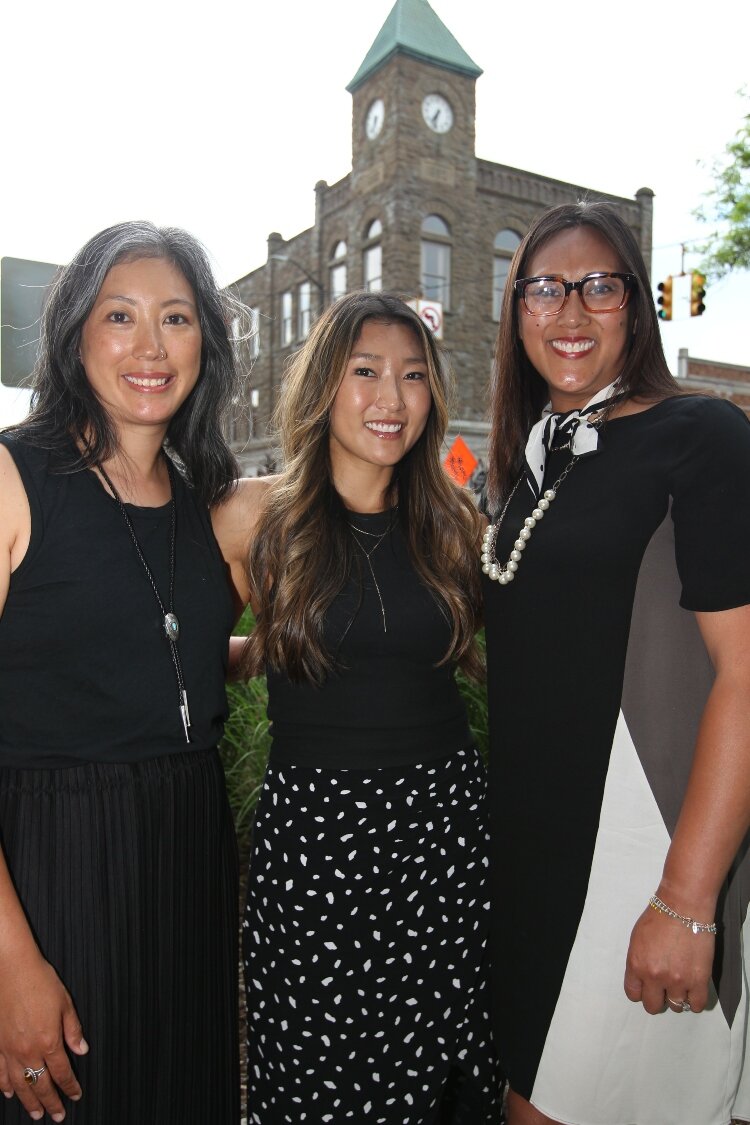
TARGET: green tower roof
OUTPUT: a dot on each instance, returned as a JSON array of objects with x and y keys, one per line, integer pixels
[{"x": 412, "y": 28}]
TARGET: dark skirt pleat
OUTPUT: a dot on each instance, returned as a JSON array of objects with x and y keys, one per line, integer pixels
[{"x": 128, "y": 875}]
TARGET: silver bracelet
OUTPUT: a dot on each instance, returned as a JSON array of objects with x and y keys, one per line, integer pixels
[{"x": 691, "y": 924}]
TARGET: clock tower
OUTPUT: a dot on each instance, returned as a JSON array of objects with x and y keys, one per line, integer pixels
[{"x": 413, "y": 103}]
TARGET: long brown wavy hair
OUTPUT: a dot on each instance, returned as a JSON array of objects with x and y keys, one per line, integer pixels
[
  {"x": 302, "y": 553},
  {"x": 518, "y": 392}
]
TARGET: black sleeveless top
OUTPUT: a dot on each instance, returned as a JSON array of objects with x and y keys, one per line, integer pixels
[
  {"x": 387, "y": 703},
  {"x": 85, "y": 668}
]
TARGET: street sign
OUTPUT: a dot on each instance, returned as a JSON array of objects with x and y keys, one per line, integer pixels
[
  {"x": 460, "y": 462},
  {"x": 23, "y": 288},
  {"x": 431, "y": 312}
]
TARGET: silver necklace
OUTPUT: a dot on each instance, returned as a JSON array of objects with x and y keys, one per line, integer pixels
[
  {"x": 169, "y": 618},
  {"x": 490, "y": 565},
  {"x": 379, "y": 536}
]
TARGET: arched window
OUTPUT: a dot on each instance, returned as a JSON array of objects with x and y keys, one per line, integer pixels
[
  {"x": 506, "y": 243},
  {"x": 337, "y": 271},
  {"x": 436, "y": 260},
  {"x": 372, "y": 258}
]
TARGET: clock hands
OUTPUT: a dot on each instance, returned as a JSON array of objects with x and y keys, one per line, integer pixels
[{"x": 437, "y": 113}]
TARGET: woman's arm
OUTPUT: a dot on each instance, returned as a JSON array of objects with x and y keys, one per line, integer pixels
[
  {"x": 234, "y": 522},
  {"x": 664, "y": 955},
  {"x": 37, "y": 1017}
]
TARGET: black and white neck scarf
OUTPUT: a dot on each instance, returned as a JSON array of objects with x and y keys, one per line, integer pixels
[{"x": 584, "y": 435}]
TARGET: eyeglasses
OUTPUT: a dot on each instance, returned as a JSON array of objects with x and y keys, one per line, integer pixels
[{"x": 599, "y": 292}]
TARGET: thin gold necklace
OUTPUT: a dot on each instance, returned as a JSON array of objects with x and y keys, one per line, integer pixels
[{"x": 379, "y": 536}]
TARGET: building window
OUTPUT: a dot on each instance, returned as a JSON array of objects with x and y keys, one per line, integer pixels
[
  {"x": 506, "y": 243},
  {"x": 373, "y": 257},
  {"x": 304, "y": 309},
  {"x": 254, "y": 338},
  {"x": 338, "y": 271},
  {"x": 436, "y": 260},
  {"x": 286, "y": 319}
]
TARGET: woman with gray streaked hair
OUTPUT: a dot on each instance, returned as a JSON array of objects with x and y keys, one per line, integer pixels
[{"x": 118, "y": 868}]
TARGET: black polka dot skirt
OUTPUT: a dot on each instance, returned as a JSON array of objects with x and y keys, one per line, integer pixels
[{"x": 365, "y": 947}]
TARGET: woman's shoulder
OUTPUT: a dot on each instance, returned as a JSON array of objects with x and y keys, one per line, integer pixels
[
  {"x": 703, "y": 410},
  {"x": 236, "y": 516},
  {"x": 10, "y": 478},
  {"x": 39, "y": 464},
  {"x": 20, "y": 447},
  {"x": 15, "y": 518},
  {"x": 686, "y": 419},
  {"x": 705, "y": 440}
]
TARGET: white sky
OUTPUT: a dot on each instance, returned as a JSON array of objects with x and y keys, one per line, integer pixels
[{"x": 221, "y": 118}]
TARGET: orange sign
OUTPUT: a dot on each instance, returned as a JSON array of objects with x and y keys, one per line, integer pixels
[{"x": 460, "y": 462}]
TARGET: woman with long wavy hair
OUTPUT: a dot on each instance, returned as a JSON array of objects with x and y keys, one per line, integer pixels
[{"x": 365, "y": 929}]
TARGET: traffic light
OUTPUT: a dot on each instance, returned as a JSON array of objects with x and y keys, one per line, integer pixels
[
  {"x": 697, "y": 293},
  {"x": 665, "y": 300}
]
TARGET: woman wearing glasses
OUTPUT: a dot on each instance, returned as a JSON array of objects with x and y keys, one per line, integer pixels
[{"x": 616, "y": 602}]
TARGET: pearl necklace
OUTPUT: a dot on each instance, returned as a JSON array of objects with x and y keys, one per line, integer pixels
[{"x": 490, "y": 565}]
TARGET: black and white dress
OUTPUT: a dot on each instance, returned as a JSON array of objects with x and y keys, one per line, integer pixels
[
  {"x": 598, "y": 677},
  {"x": 367, "y": 915}
]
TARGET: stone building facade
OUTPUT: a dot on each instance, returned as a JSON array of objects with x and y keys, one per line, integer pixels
[
  {"x": 419, "y": 214},
  {"x": 726, "y": 380}
]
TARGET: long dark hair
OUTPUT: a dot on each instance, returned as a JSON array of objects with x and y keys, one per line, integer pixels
[
  {"x": 518, "y": 392},
  {"x": 303, "y": 552},
  {"x": 64, "y": 404}
]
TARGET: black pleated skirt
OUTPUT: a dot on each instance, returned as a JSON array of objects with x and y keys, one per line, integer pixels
[
  {"x": 365, "y": 942},
  {"x": 128, "y": 875}
]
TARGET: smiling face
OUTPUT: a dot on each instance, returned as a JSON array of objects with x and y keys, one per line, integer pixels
[
  {"x": 141, "y": 343},
  {"x": 382, "y": 404},
  {"x": 576, "y": 352}
]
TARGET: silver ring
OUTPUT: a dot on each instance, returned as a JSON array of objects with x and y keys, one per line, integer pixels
[
  {"x": 680, "y": 1005},
  {"x": 31, "y": 1076}
]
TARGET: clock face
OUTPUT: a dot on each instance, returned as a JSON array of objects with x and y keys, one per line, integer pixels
[
  {"x": 374, "y": 118},
  {"x": 437, "y": 113}
]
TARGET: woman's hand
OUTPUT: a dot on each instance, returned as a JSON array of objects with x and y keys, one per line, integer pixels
[
  {"x": 668, "y": 964},
  {"x": 37, "y": 1021},
  {"x": 666, "y": 960}
]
